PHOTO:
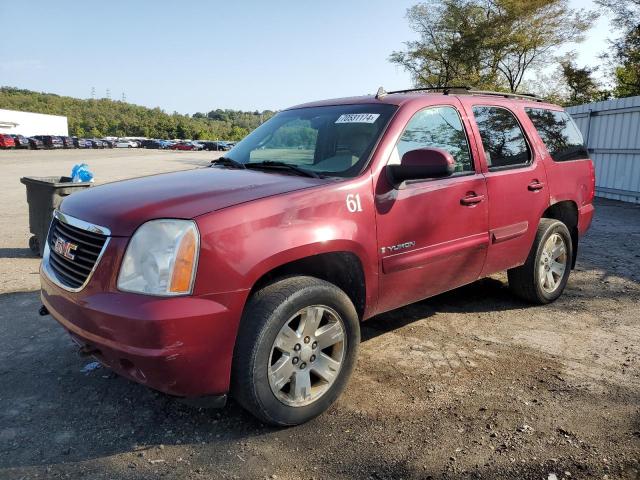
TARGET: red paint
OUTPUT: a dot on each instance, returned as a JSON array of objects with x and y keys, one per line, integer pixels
[
  {"x": 7, "y": 141},
  {"x": 251, "y": 222}
]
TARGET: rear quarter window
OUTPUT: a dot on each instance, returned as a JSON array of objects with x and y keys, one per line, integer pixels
[{"x": 559, "y": 134}]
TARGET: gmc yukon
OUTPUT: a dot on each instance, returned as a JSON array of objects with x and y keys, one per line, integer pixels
[{"x": 250, "y": 277}]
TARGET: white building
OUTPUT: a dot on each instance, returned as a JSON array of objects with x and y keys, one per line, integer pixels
[{"x": 30, "y": 124}]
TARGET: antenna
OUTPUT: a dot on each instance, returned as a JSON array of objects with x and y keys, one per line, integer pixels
[{"x": 381, "y": 93}]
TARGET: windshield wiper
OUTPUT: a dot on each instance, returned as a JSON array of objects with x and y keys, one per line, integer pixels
[
  {"x": 228, "y": 162},
  {"x": 282, "y": 165}
]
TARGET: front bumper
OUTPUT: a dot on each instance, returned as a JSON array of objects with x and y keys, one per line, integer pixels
[{"x": 181, "y": 346}]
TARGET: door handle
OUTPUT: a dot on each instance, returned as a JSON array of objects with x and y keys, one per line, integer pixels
[
  {"x": 535, "y": 186},
  {"x": 471, "y": 199}
]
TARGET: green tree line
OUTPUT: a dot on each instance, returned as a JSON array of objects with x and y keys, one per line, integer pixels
[{"x": 104, "y": 117}]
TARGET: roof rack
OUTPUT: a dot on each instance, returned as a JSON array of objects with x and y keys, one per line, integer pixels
[
  {"x": 526, "y": 96},
  {"x": 444, "y": 90},
  {"x": 461, "y": 89}
]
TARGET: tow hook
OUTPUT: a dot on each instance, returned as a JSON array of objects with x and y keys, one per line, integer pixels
[{"x": 43, "y": 311}]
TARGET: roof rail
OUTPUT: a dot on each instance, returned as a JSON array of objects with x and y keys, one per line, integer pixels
[
  {"x": 461, "y": 89},
  {"x": 526, "y": 96},
  {"x": 444, "y": 90}
]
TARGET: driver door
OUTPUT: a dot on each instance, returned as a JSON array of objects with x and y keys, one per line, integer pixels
[{"x": 432, "y": 234}]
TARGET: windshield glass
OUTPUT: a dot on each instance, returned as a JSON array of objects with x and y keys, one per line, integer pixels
[{"x": 333, "y": 140}]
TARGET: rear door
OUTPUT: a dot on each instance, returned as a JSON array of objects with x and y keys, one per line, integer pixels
[{"x": 516, "y": 182}]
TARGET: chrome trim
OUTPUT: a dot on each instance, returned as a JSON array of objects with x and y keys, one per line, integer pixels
[{"x": 81, "y": 224}]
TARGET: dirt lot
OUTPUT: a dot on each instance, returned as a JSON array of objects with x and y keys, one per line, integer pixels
[{"x": 470, "y": 384}]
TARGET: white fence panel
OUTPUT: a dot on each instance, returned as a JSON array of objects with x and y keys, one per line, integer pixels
[{"x": 611, "y": 130}]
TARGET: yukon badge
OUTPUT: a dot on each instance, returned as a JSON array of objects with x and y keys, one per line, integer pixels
[
  {"x": 64, "y": 248},
  {"x": 397, "y": 248}
]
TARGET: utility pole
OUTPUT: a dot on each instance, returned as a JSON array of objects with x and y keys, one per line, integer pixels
[
  {"x": 93, "y": 93},
  {"x": 108, "y": 94},
  {"x": 124, "y": 97}
]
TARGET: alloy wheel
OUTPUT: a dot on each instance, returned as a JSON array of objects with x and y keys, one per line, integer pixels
[{"x": 307, "y": 355}]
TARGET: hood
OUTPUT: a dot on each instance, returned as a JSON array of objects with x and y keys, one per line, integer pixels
[{"x": 123, "y": 206}]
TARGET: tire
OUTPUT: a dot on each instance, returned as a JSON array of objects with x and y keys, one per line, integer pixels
[
  {"x": 258, "y": 362},
  {"x": 531, "y": 281},
  {"x": 34, "y": 245}
]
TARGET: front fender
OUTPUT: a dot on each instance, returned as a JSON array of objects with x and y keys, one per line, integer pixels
[{"x": 240, "y": 244}]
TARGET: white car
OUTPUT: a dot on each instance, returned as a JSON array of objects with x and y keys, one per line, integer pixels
[{"x": 126, "y": 144}]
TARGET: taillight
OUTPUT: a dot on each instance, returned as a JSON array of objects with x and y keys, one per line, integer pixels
[{"x": 593, "y": 181}]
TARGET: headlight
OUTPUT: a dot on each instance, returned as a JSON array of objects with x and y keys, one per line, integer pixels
[{"x": 161, "y": 258}]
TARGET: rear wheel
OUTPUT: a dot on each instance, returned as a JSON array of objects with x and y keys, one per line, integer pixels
[
  {"x": 544, "y": 275},
  {"x": 296, "y": 348}
]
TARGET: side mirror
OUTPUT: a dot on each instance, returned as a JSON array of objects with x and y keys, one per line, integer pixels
[{"x": 421, "y": 164}]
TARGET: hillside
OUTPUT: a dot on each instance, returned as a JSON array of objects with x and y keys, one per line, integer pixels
[{"x": 105, "y": 117}]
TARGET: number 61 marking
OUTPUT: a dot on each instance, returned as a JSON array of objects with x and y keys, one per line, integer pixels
[{"x": 353, "y": 203}]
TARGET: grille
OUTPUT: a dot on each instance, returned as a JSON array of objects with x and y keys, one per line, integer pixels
[{"x": 74, "y": 272}]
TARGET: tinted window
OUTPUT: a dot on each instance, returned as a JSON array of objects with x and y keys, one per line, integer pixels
[
  {"x": 436, "y": 127},
  {"x": 559, "y": 134},
  {"x": 502, "y": 138}
]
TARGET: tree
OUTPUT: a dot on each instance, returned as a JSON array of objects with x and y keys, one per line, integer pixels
[
  {"x": 624, "y": 56},
  {"x": 581, "y": 84},
  {"x": 487, "y": 43},
  {"x": 449, "y": 50}
]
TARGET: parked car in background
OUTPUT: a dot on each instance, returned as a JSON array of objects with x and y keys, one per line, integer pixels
[
  {"x": 126, "y": 144},
  {"x": 79, "y": 142},
  {"x": 213, "y": 145},
  {"x": 108, "y": 143},
  {"x": 165, "y": 144},
  {"x": 154, "y": 144},
  {"x": 67, "y": 142},
  {"x": 97, "y": 143},
  {"x": 186, "y": 146},
  {"x": 51, "y": 141},
  {"x": 35, "y": 143},
  {"x": 7, "y": 141},
  {"x": 222, "y": 146},
  {"x": 20, "y": 141}
]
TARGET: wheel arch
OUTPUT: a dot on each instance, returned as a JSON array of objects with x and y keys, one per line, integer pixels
[
  {"x": 566, "y": 211},
  {"x": 342, "y": 268}
]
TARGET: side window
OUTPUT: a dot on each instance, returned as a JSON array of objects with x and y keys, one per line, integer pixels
[
  {"x": 559, "y": 134},
  {"x": 503, "y": 140},
  {"x": 437, "y": 127}
]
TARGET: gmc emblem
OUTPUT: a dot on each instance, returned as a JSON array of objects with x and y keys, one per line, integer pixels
[{"x": 64, "y": 248}]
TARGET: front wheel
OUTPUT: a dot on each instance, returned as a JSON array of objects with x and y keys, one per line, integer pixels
[
  {"x": 544, "y": 275},
  {"x": 297, "y": 346}
]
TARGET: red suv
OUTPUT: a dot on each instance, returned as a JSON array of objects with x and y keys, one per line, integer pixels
[
  {"x": 252, "y": 276},
  {"x": 7, "y": 141}
]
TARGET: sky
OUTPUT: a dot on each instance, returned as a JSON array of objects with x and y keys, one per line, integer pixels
[{"x": 198, "y": 55}]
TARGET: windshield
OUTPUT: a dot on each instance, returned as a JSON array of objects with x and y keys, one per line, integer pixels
[{"x": 333, "y": 140}]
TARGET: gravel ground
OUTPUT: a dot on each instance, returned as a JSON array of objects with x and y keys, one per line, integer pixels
[{"x": 469, "y": 384}]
